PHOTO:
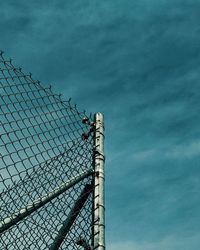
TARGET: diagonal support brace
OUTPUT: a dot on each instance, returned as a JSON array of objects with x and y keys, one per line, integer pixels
[
  {"x": 71, "y": 217},
  {"x": 30, "y": 208}
]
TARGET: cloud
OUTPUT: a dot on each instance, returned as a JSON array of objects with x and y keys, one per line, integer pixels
[
  {"x": 138, "y": 63},
  {"x": 187, "y": 243}
]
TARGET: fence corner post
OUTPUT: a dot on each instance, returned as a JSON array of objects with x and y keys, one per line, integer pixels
[{"x": 99, "y": 199}]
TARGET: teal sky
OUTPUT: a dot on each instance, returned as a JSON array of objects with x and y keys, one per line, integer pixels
[{"x": 138, "y": 62}]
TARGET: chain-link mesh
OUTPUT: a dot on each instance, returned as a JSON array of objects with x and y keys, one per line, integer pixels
[{"x": 42, "y": 150}]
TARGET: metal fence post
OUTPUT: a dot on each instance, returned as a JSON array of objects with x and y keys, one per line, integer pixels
[{"x": 99, "y": 207}]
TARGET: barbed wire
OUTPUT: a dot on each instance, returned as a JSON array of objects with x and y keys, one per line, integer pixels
[{"x": 46, "y": 162}]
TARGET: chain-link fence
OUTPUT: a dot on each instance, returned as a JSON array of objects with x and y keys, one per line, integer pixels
[{"x": 46, "y": 167}]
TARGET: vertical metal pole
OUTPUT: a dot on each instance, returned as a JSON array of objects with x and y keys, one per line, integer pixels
[{"x": 99, "y": 207}]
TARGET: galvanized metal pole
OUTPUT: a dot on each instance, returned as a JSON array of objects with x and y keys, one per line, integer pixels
[{"x": 99, "y": 207}]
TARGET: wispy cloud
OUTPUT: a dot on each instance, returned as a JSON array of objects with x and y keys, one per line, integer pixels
[
  {"x": 137, "y": 62},
  {"x": 172, "y": 243}
]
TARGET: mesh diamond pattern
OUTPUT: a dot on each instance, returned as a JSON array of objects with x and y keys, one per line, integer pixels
[{"x": 41, "y": 148}]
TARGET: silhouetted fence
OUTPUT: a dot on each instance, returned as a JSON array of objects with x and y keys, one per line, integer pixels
[{"x": 51, "y": 168}]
